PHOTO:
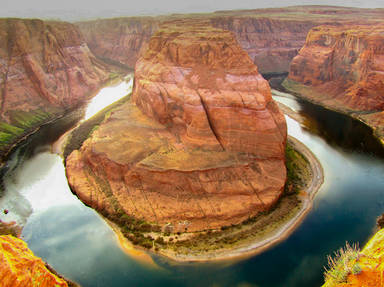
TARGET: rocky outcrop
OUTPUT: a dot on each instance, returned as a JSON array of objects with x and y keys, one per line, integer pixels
[
  {"x": 45, "y": 68},
  {"x": 20, "y": 267},
  {"x": 342, "y": 67},
  {"x": 45, "y": 63},
  {"x": 119, "y": 40},
  {"x": 200, "y": 146},
  {"x": 371, "y": 265},
  {"x": 271, "y": 37}
]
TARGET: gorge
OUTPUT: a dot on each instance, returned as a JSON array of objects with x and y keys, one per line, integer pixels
[{"x": 334, "y": 58}]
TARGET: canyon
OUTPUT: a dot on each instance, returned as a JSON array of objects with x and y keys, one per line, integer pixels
[
  {"x": 46, "y": 69},
  {"x": 272, "y": 37},
  {"x": 342, "y": 68},
  {"x": 200, "y": 143},
  {"x": 199, "y": 146}
]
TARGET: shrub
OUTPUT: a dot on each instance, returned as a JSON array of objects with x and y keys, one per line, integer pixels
[{"x": 342, "y": 263}]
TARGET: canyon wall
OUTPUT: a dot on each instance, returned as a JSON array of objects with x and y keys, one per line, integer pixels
[
  {"x": 342, "y": 67},
  {"x": 271, "y": 37},
  {"x": 200, "y": 146},
  {"x": 20, "y": 267},
  {"x": 46, "y": 68}
]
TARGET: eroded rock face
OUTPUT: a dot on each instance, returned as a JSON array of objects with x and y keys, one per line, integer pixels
[
  {"x": 44, "y": 65},
  {"x": 343, "y": 67},
  {"x": 20, "y": 267},
  {"x": 271, "y": 37},
  {"x": 200, "y": 146}
]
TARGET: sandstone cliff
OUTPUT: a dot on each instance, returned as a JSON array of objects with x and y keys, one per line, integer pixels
[
  {"x": 271, "y": 37},
  {"x": 46, "y": 68},
  {"x": 20, "y": 267},
  {"x": 200, "y": 146},
  {"x": 342, "y": 67}
]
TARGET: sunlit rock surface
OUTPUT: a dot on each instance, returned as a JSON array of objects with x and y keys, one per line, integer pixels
[
  {"x": 371, "y": 262},
  {"x": 342, "y": 67},
  {"x": 272, "y": 37},
  {"x": 19, "y": 267},
  {"x": 46, "y": 68},
  {"x": 201, "y": 145}
]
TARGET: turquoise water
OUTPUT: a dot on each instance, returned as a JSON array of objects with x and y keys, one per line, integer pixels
[{"x": 79, "y": 244}]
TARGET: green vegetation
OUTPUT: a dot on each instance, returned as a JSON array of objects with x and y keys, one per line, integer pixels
[
  {"x": 20, "y": 124},
  {"x": 85, "y": 130},
  {"x": 342, "y": 263},
  {"x": 297, "y": 171},
  {"x": 255, "y": 228}
]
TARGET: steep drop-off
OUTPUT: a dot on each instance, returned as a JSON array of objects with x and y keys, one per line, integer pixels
[
  {"x": 201, "y": 145},
  {"x": 45, "y": 69},
  {"x": 342, "y": 67},
  {"x": 19, "y": 267},
  {"x": 271, "y": 37}
]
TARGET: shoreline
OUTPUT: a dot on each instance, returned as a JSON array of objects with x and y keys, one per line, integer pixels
[
  {"x": 354, "y": 114},
  {"x": 281, "y": 234},
  {"x": 252, "y": 247}
]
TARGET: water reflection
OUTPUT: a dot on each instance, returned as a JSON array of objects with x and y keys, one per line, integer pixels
[
  {"x": 80, "y": 245},
  {"x": 107, "y": 96}
]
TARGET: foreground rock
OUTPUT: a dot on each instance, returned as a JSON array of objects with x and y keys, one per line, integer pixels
[
  {"x": 342, "y": 67},
  {"x": 45, "y": 69},
  {"x": 201, "y": 145},
  {"x": 371, "y": 265},
  {"x": 20, "y": 267}
]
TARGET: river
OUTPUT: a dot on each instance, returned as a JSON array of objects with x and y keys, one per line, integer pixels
[{"x": 74, "y": 240}]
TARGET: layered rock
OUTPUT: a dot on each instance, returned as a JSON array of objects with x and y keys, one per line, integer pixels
[
  {"x": 20, "y": 267},
  {"x": 200, "y": 146},
  {"x": 45, "y": 63},
  {"x": 45, "y": 68},
  {"x": 271, "y": 37},
  {"x": 119, "y": 40},
  {"x": 342, "y": 67}
]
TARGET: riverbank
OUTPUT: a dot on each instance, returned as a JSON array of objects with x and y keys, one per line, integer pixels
[
  {"x": 373, "y": 119},
  {"x": 250, "y": 237},
  {"x": 255, "y": 245}
]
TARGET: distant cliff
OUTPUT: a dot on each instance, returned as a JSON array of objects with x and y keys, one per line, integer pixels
[
  {"x": 200, "y": 146},
  {"x": 46, "y": 68},
  {"x": 342, "y": 67},
  {"x": 271, "y": 37}
]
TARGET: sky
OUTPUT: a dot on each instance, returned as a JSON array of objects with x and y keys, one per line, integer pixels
[{"x": 87, "y": 9}]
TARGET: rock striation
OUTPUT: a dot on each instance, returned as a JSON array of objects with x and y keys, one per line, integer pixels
[
  {"x": 342, "y": 67},
  {"x": 45, "y": 63},
  {"x": 271, "y": 37},
  {"x": 200, "y": 146},
  {"x": 20, "y": 267},
  {"x": 45, "y": 68}
]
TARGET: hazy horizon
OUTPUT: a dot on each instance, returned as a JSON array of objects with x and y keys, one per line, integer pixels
[{"x": 72, "y": 10}]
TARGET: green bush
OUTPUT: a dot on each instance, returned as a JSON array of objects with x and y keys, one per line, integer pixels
[{"x": 342, "y": 263}]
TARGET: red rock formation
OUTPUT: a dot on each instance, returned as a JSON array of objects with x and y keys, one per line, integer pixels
[
  {"x": 343, "y": 67},
  {"x": 44, "y": 65},
  {"x": 271, "y": 37},
  {"x": 20, "y": 267},
  {"x": 120, "y": 39},
  {"x": 202, "y": 148}
]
